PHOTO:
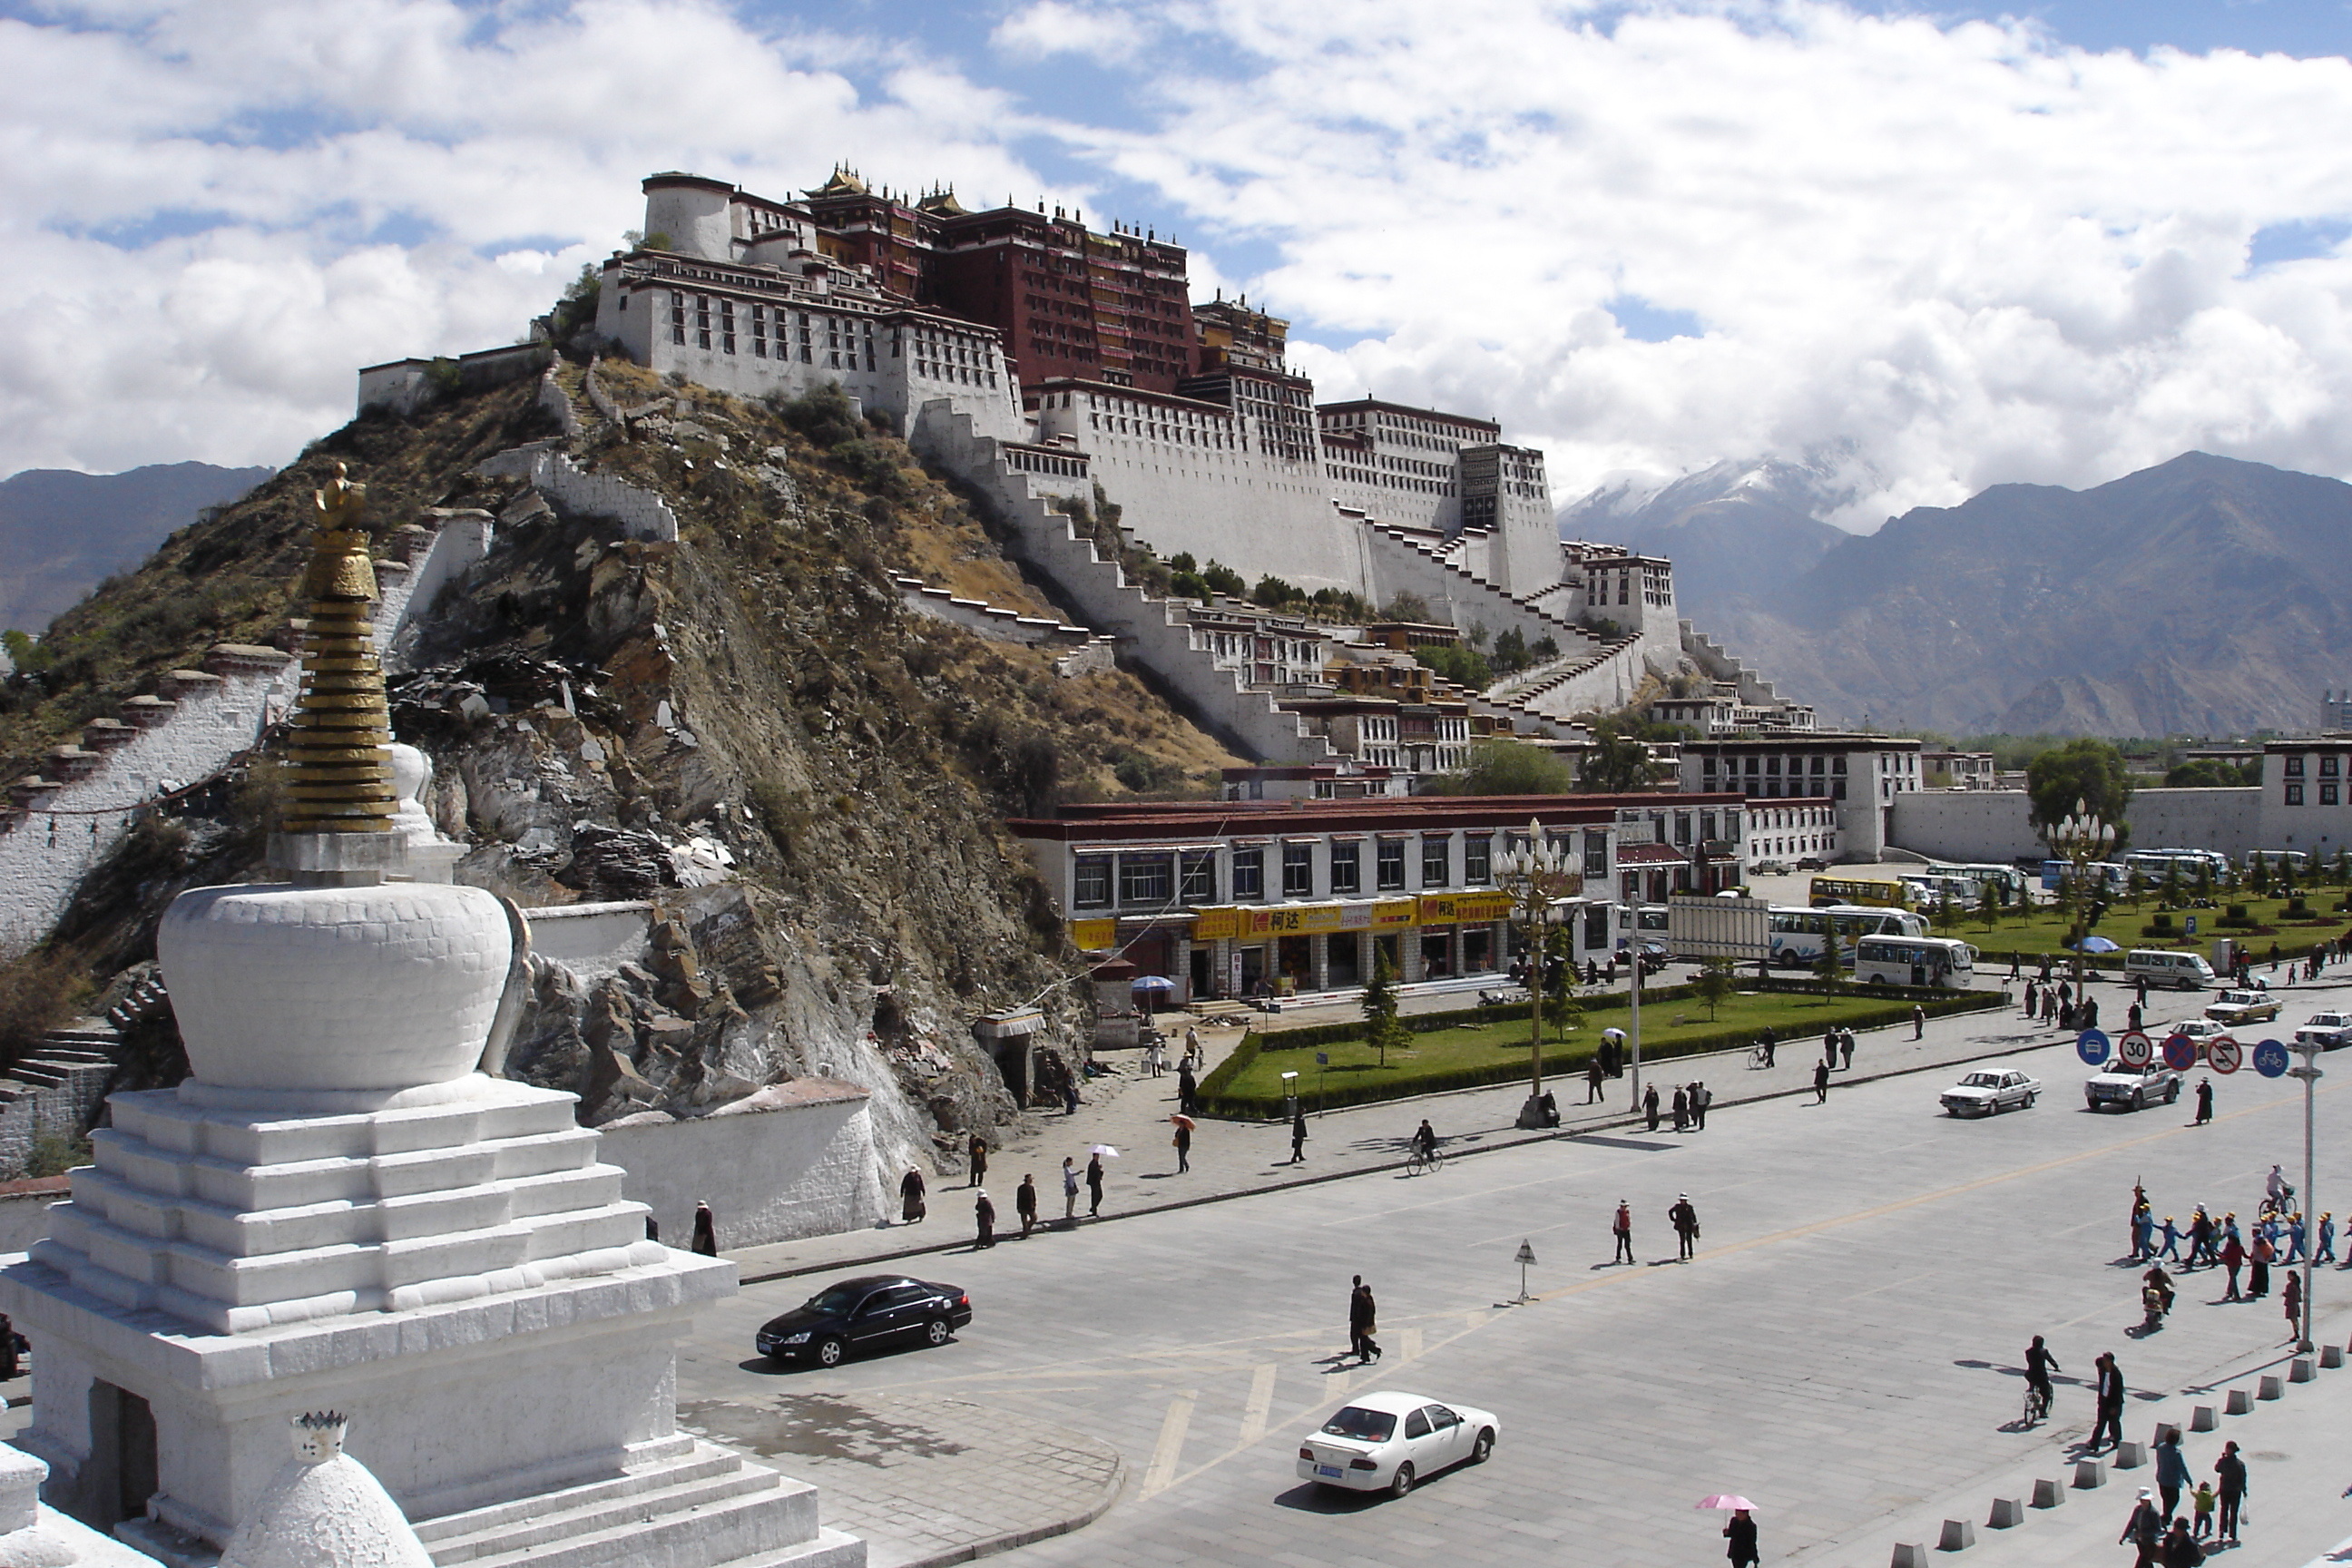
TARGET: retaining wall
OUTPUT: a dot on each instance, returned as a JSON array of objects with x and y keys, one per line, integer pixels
[{"x": 790, "y": 1160}]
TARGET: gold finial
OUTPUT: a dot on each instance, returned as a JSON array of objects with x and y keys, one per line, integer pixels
[{"x": 338, "y": 768}]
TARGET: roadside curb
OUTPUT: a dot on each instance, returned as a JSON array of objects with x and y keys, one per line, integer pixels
[
  {"x": 1512, "y": 1138},
  {"x": 1012, "y": 1539}
]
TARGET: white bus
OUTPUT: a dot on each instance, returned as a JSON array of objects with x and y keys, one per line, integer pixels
[
  {"x": 2277, "y": 859},
  {"x": 1799, "y": 935},
  {"x": 1914, "y": 960},
  {"x": 2013, "y": 881}
]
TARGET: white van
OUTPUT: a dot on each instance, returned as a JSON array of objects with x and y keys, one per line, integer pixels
[{"x": 2185, "y": 971}]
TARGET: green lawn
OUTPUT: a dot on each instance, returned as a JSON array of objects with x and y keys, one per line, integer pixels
[
  {"x": 2045, "y": 930},
  {"x": 1494, "y": 1053}
]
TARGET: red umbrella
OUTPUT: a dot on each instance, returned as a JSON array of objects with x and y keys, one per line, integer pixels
[{"x": 1184, "y": 1122}]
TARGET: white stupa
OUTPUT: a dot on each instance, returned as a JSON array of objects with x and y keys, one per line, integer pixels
[
  {"x": 324, "y": 1510},
  {"x": 340, "y": 1210}
]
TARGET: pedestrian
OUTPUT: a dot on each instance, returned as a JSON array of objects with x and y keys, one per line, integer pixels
[
  {"x": 1592, "y": 1082},
  {"x": 1650, "y": 1106},
  {"x": 1069, "y": 1094},
  {"x": 1025, "y": 1202},
  {"x": 1820, "y": 1083},
  {"x": 2204, "y": 1100},
  {"x": 2171, "y": 1470},
  {"x": 2326, "y": 1253},
  {"x": 1298, "y": 1137},
  {"x": 2132, "y": 1017},
  {"x": 2259, "y": 1259},
  {"x": 2293, "y": 1298},
  {"x": 2014, "y": 959},
  {"x": 1070, "y": 1189},
  {"x": 1193, "y": 1055},
  {"x": 2140, "y": 991},
  {"x": 2200, "y": 1239},
  {"x": 706, "y": 1232},
  {"x": 1829, "y": 1045},
  {"x": 978, "y": 1155},
  {"x": 8, "y": 1366},
  {"x": 1741, "y": 1534},
  {"x": 1682, "y": 1110},
  {"x": 2177, "y": 1548},
  {"x": 1622, "y": 1227},
  {"x": 2143, "y": 1235},
  {"x": 1686, "y": 1223},
  {"x": 2144, "y": 1530},
  {"x": 2232, "y": 1472},
  {"x": 983, "y": 1219},
  {"x": 2032, "y": 999},
  {"x": 2108, "y": 1390},
  {"x": 1094, "y": 1186},
  {"x": 1771, "y": 1044},
  {"x": 1188, "y": 1090},
  {"x": 910, "y": 1197},
  {"x": 1700, "y": 1099},
  {"x": 2295, "y": 1237},
  {"x": 1363, "y": 1322},
  {"x": 1845, "y": 1048},
  {"x": 2233, "y": 1258},
  {"x": 2200, "y": 1503},
  {"x": 1918, "y": 1022},
  {"x": 1183, "y": 1142},
  {"x": 2172, "y": 1247}
]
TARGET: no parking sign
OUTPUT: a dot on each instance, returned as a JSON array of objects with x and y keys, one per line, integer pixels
[
  {"x": 2180, "y": 1052},
  {"x": 2224, "y": 1055},
  {"x": 2092, "y": 1047}
]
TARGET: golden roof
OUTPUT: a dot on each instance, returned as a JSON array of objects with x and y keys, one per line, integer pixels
[{"x": 338, "y": 756}]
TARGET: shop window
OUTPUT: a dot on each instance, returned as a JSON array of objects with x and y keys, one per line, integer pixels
[
  {"x": 1392, "y": 864},
  {"x": 1347, "y": 870},
  {"x": 1249, "y": 874},
  {"x": 1090, "y": 889},
  {"x": 1299, "y": 870},
  {"x": 1146, "y": 879},
  {"x": 1199, "y": 866}
]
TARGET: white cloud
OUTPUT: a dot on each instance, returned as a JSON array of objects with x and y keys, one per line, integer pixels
[{"x": 1049, "y": 27}]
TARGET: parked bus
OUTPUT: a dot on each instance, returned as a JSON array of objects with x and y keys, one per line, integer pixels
[
  {"x": 2107, "y": 875},
  {"x": 2289, "y": 859},
  {"x": 1799, "y": 935},
  {"x": 1914, "y": 960},
  {"x": 1825, "y": 891},
  {"x": 2013, "y": 881}
]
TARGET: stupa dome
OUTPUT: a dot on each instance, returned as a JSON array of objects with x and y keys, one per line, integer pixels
[{"x": 323, "y": 1509}]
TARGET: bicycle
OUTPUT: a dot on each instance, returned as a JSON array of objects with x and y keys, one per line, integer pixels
[
  {"x": 2278, "y": 1207},
  {"x": 1758, "y": 1057},
  {"x": 1421, "y": 1162},
  {"x": 2037, "y": 1403}
]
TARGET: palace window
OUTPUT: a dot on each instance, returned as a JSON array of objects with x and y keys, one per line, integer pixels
[
  {"x": 1346, "y": 869},
  {"x": 1437, "y": 861},
  {"x": 1477, "y": 859},
  {"x": 1391, "y": 866},
  {"x": 1200, "y": 874},
  {"x": 2327, "y": 794},
  {"x": 2295, "y": 795},
  {"x": 678, "y": 317},
  {"x": 727, "y": 326},
  {"x": 1299, "y": 870},
  {"x": 2295, "y": 767}
]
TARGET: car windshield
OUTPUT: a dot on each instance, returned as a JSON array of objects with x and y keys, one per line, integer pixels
[
  {"x": 1980, "y": 1080},
  {"x": 837, "y": 1298},
  {"x": 1364, "y": 1426}
]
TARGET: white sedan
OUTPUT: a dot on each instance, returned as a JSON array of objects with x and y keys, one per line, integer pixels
[
  {"x": 1384, "y": 1442},
  {"x": 1985, "y": 1093}
]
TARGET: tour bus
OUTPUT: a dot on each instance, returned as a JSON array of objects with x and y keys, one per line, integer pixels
[
  {"x": 1914, "y": 960},
  {"x": 1799, "y": 935},
  {"x": 1825, "y": 891},
  {"x": 1933, "y": 888},
  {"x": 2289, "y": 859},
  {"x": 2109, "y": 876},
  {"x": 2010, "y": 879}
]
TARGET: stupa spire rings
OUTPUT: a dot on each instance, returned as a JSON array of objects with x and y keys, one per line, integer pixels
[{"x": 338, "y": 757}]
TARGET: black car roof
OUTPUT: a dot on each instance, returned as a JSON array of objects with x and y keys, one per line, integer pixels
[{"x": 871, "y": 1281}]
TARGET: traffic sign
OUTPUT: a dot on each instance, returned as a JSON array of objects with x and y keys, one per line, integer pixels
[
  {"x": 1322, "y": 1059},
  {"x": 2224, "y": 1055},
  {"x": 2133, "y": 1050},
  {"x": 2092, "y": 1047},
  {"x": 2270, "y": 1058},
  {"x": 2192, "y": 925},
  {"x": 2180, "y": 1053}
]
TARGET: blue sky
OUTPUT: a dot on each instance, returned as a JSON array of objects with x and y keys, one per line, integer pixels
[{"x": 1929, "y": 249}]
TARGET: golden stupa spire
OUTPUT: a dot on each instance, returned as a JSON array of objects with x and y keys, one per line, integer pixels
[{"x": 339, "y": 766}]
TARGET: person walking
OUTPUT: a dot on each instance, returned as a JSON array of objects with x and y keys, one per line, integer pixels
[
  {"x": 2171, "y": 1245},
  {"x": 1700, "y": 1099},
  {"x": 1829, "y": 1045},
  {"x": 984, "y": 1220},
  {"x": 2326, "y": 1252},
  {"x": 1650, "y": 1106},
  {"x": 2177, "y": 1550},
  {"x": 1363, "y": 1322},
  {"x": 911, "y": 1208},
  {"x": 2143, "y": 1234},
  {"x": 1069, "y": 1189},
  {"x": 1298, "y": 1137},
  {"x": 2204, "y": 1101},
  {"x": 1025, "y": 1202},
  {"x": 1183, "y": 1142},
  {"x": 1681, "y": 1109},
  {"x": 1820, "y": 1083},
  {"x": 1094, "y": 1186},
  {"x": 706, "y": 1232},
  {"x": 1592, "y": 1080},
  {"x": 2145, "y": 1529},
  {"x": 1686, "y": 1223},
  {"x": 2293, "y": 1298},
  {"x": 1918, "y": 1022},
  {"x": 2200, "y": 1503},
  {"x": 2200, "y": 1238},
  {"x": 2233, "y": 1258},
  {"x": 979, "y": 1157},
  {"x": 1622, "y": 1227},
  {"x": 1741, "y": 1534},
  {"x": 2259, "y": 1259},
  {"x": 2108, "y": 1390},
  {"x": 2171, "y": 1470},
  {"x": 2032, "y": 1000},
  {"x": 2230, "y": 1471},
  {"x": 1188, "y": 1090},
  {"x": 1845, "y": 1049}
]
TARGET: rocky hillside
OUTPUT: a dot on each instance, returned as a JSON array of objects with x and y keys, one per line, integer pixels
[
  {"x": 62, "y": 532},
  {"x": 746, "y": 727}
]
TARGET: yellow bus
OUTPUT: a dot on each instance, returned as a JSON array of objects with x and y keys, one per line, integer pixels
[{"x": 1827, "y": 890}]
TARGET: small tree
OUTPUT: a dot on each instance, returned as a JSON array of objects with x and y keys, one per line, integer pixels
[
  {"x": 1829, "y": 969},
  {"x": 1714, "y": 984},
  {"x": 2343, "y": 866},
  {"x": 2259, "y": 878},
  {"x": 1382, "y": 1027},
  {"x": 1561, "y": 1009},
  {"x": 1989, "y": 902}
]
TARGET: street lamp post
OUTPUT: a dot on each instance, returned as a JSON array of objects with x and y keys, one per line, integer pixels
[
  {"x": 2310, "y": 1074},
  {"x": 2080, "y": 839},
  {"x": 1535, "y": 877}
]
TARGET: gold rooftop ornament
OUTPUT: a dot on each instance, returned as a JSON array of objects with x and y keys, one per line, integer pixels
[{"x": 338, "y": 762}]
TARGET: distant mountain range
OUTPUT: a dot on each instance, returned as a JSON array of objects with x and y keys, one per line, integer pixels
[
  {"x": 2205, "y": 595},
  {"x": 61, "y": 533}
]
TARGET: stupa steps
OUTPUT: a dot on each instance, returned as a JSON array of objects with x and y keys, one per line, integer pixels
[{"x": 706, "y": 1508}]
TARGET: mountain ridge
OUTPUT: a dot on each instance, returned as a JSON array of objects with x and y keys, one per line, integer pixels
[{"x": 63, "y": 532}]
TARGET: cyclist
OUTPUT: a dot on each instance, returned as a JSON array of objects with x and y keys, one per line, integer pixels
[
  {"x": 2039, "y": 1364},
  {"x": 1424, "y": 1139}
]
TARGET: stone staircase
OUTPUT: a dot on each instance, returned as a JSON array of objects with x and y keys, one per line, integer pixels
[
  {"x": 1528, "y": 689},
  {"x": 1472, "y": 594},
  {"x": 684, "y": 1503}
]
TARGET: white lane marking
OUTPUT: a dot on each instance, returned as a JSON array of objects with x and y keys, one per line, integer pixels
[
  {"x": 1261, "y": 1400},
  {"x": 1408, "y": 1343},
  {"x": 1170, "y": 1447}
]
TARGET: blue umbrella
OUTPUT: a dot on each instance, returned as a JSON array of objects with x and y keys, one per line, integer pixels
[
  {"x": 2100, "y": 945},
  {"x": 1152, "y": 983}
]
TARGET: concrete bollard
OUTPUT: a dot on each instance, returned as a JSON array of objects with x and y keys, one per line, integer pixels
[
  {"x": 2048, "y": 1493},
  {"x": 2300, "y": 1369},
  {"x": 2331, "y": 1356},
  {"x": 1959, "y": 1536},
  {"x": 2240, "y": 1403},
  {"x": 2270, "y": 1387},
  {"x": 1907, "y": 1556},
  {"x": 2090, "y": 1473},
  {"x": 2007, "y": 1513},
  {"x": 2202, "y": 1419},
  {"x": 2131, "y": 1455}
]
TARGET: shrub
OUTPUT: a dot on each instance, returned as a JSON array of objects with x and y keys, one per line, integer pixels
[
  {"x": 872, "y": 466},
  {"x": 824, "y": 415},
  {"x": 1223, "y": 580}
]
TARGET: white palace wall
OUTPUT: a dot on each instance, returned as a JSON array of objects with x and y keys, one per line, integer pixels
[{"x": 789, "y": 1161}]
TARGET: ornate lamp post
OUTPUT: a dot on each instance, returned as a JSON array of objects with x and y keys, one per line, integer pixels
[
  {"x": 1536, "y": 877},
  {"x": 2310, "y": 1074},
  {"x": 2080, "y": 839}
]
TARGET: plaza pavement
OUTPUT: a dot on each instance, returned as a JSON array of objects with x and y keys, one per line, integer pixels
[{"x": 1844, "y": 1349}]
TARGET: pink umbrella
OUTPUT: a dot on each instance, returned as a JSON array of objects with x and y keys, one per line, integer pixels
[{"x": 1726, "y": 1500}]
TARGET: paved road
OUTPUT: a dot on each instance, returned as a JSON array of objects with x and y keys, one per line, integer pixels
[{"x": 1844, "y": 1349}]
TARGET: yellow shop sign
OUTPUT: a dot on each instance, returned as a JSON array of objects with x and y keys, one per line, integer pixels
[
  {"x": 1091, "y": 936},
  {"x": 1216, "y": 925},
  {"x": 1309, "y": 919},
  {"x": 1463, "y": 909}
]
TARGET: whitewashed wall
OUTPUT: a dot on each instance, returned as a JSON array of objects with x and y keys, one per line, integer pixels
[{"x": 793, "y": 1159}]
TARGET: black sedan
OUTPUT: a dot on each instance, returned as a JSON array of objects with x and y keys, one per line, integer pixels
[{"x": 863, "y": 1314}]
